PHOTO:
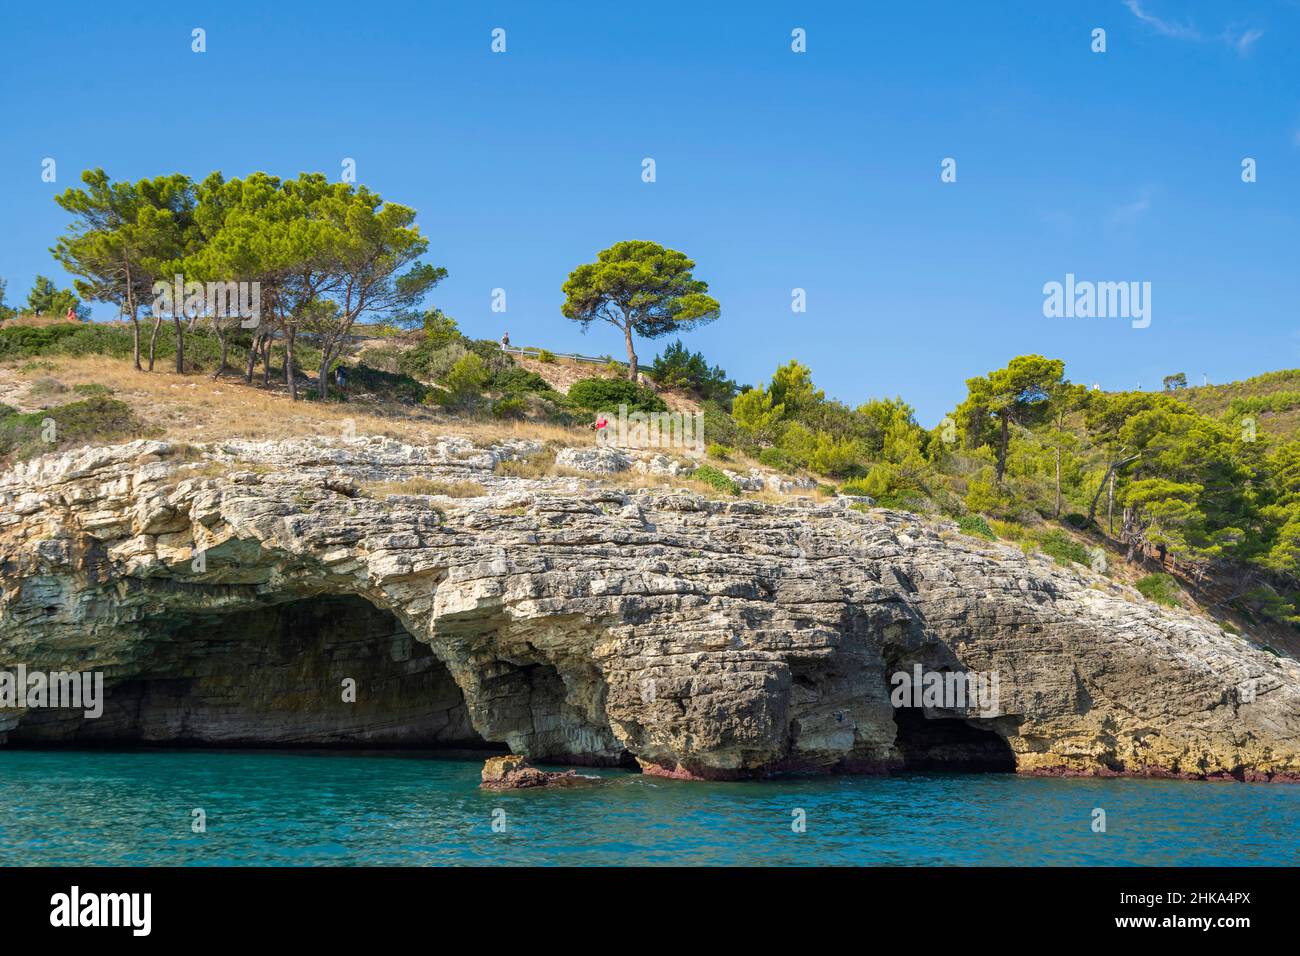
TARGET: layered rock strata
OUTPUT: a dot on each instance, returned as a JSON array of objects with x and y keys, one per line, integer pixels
[{"x": 571, "y": 621}]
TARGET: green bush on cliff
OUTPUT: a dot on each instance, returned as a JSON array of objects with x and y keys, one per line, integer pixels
[
  {"x": 716, "y": 479},
  {"x": 607, "y": 394},
  {"x": 975, "y": 525},
  {"x": 96, "y": 421},
  {"x": 1059, "y": 546},
  {"x": 1160, "y": 588}
]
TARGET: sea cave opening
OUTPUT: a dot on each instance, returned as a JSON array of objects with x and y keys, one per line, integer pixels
[
  {"x": 949, "y": 744},
  {"x": 325, "y": 671}
]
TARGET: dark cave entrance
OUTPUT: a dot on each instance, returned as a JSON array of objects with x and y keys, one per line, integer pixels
[
  {"x": 274, "y": 676},
  {"x": 949, "y": 744}
]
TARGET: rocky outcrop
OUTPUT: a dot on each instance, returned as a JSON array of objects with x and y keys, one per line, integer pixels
[
  {"x": 515, "y": 773},
  {"x": 572, "y": 621}
]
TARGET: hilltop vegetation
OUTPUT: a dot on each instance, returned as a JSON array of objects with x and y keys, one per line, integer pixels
[{"x": 1271, "y": 401}]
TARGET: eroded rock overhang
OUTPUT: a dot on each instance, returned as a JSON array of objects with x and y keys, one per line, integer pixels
[{"x": 585, "y": 624}]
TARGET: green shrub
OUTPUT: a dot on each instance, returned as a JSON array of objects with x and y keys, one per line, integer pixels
[
  {"x": 720, "y": 452},
  {"x": 905, "y": 501},
  {"x": 546, "y": 356},
  {"x": 775, "y": 458},
  {"x": 858, "y": 486},
  {"x": 89, "y": 421},
  {"x": 1009, "y": 530},
  {"x": 716, "y": 479},
  {"x": 389, "y": 386},
  {"x": 516, "y": 379},
  {"x": 467, "y": 379},
  {"x": 678, "y": 368},
  {"x": 92, "y": 390},
  {"x": 1160, "y": 588},
  {"x": 607, "y": 394},
  {"x": 1059, "y": 546},
  {"x": 510, "y": 406},
  {"x": 975, "y": 525},
  {"x": 879, "y": 482},
  {"x": 720, "y": 426},
  {"x": 440, "y": 329}
]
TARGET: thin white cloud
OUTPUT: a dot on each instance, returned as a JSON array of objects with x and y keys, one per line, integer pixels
[
  {"x": 1241, "y": 42},
  {"x": 1130, "y": 213},
  {"x": 1164, "y": 27},
  {"x": 1244, "y": 42}
]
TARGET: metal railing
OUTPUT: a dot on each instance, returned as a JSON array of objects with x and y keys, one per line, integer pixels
[{"x": 572, "y": 356}]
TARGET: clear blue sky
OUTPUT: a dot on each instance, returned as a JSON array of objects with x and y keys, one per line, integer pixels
[{"x": 775, "y": 170}]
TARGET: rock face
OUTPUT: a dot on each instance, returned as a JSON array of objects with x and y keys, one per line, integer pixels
[{"x": 227, "y": 591}]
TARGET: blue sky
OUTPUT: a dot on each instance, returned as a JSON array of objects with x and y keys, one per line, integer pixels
[{"x": 775, "y": 170}]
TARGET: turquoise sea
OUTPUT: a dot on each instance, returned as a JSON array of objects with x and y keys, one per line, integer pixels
[{"x": 415, "y": 809}]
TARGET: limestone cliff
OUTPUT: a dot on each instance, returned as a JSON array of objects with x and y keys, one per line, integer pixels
[{"x": 228, "y": 591}]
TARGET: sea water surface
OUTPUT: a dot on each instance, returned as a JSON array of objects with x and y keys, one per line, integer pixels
[{"x": 413, "y": 809}]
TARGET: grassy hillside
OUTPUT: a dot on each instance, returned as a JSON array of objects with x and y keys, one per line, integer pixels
[
  {"x": 1272, "y": 399},
  {"x": 1167, "y": 491}
]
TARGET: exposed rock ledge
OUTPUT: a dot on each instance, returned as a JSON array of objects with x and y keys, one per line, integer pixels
[{"x": 583, "y": 625}]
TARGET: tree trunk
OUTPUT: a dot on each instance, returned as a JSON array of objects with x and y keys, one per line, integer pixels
[
  {"x": 135, "y": 341},
  {"x": 1002, "y": 445},
  {"x": 180, "y": 344},
  {"x": 153, "y": 339},
  {"x": 1110, "y": 471},
  {"x": 253, "y": 346},
  {"x": 266, "y": 362},
  {"x": 1058, "y": 481},
  {"x": 1132, "y": 536},
  {"x": 134, "y": 309},
  {"x": 1110, "y": 506},
  {"x": 631, "y": 353},
  {"x": 290, "y": 378}
]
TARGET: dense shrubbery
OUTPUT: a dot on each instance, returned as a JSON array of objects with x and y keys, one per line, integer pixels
[
  {"x": 1144, "y": 470},
  {"x": 1160, "y": 588},
  {"x": 202, "y": 348},
  {"x": 677, "y": 367},
  {"x": 975, "y": 525},
  {"x": 607, "y": 394},
  {"x": 1062, "y": 548},
  {"x": 391, "y": 386},
  {"x": 96, "y": 420},
  {"x": 716, "y": 479}
]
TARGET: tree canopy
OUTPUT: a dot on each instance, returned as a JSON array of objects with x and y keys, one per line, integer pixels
[{"x": 642, "y": 289}]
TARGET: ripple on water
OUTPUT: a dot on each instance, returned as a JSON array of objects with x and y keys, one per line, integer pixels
[{"x": 277, "y": 808}]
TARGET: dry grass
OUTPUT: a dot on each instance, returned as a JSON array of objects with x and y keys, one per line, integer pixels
[
  {"x": 425, "y": 486},
  {"x": 196, "y": 408},
  {"x": 39, "y": 320},
  {"x": 540, "y": 465}
]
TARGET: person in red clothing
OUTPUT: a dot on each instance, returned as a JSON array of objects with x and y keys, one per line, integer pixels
[{"x": 72, "y": 314}]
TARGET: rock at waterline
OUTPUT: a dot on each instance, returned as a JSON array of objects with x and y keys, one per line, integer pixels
[{"x": 515, "y": 773}]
